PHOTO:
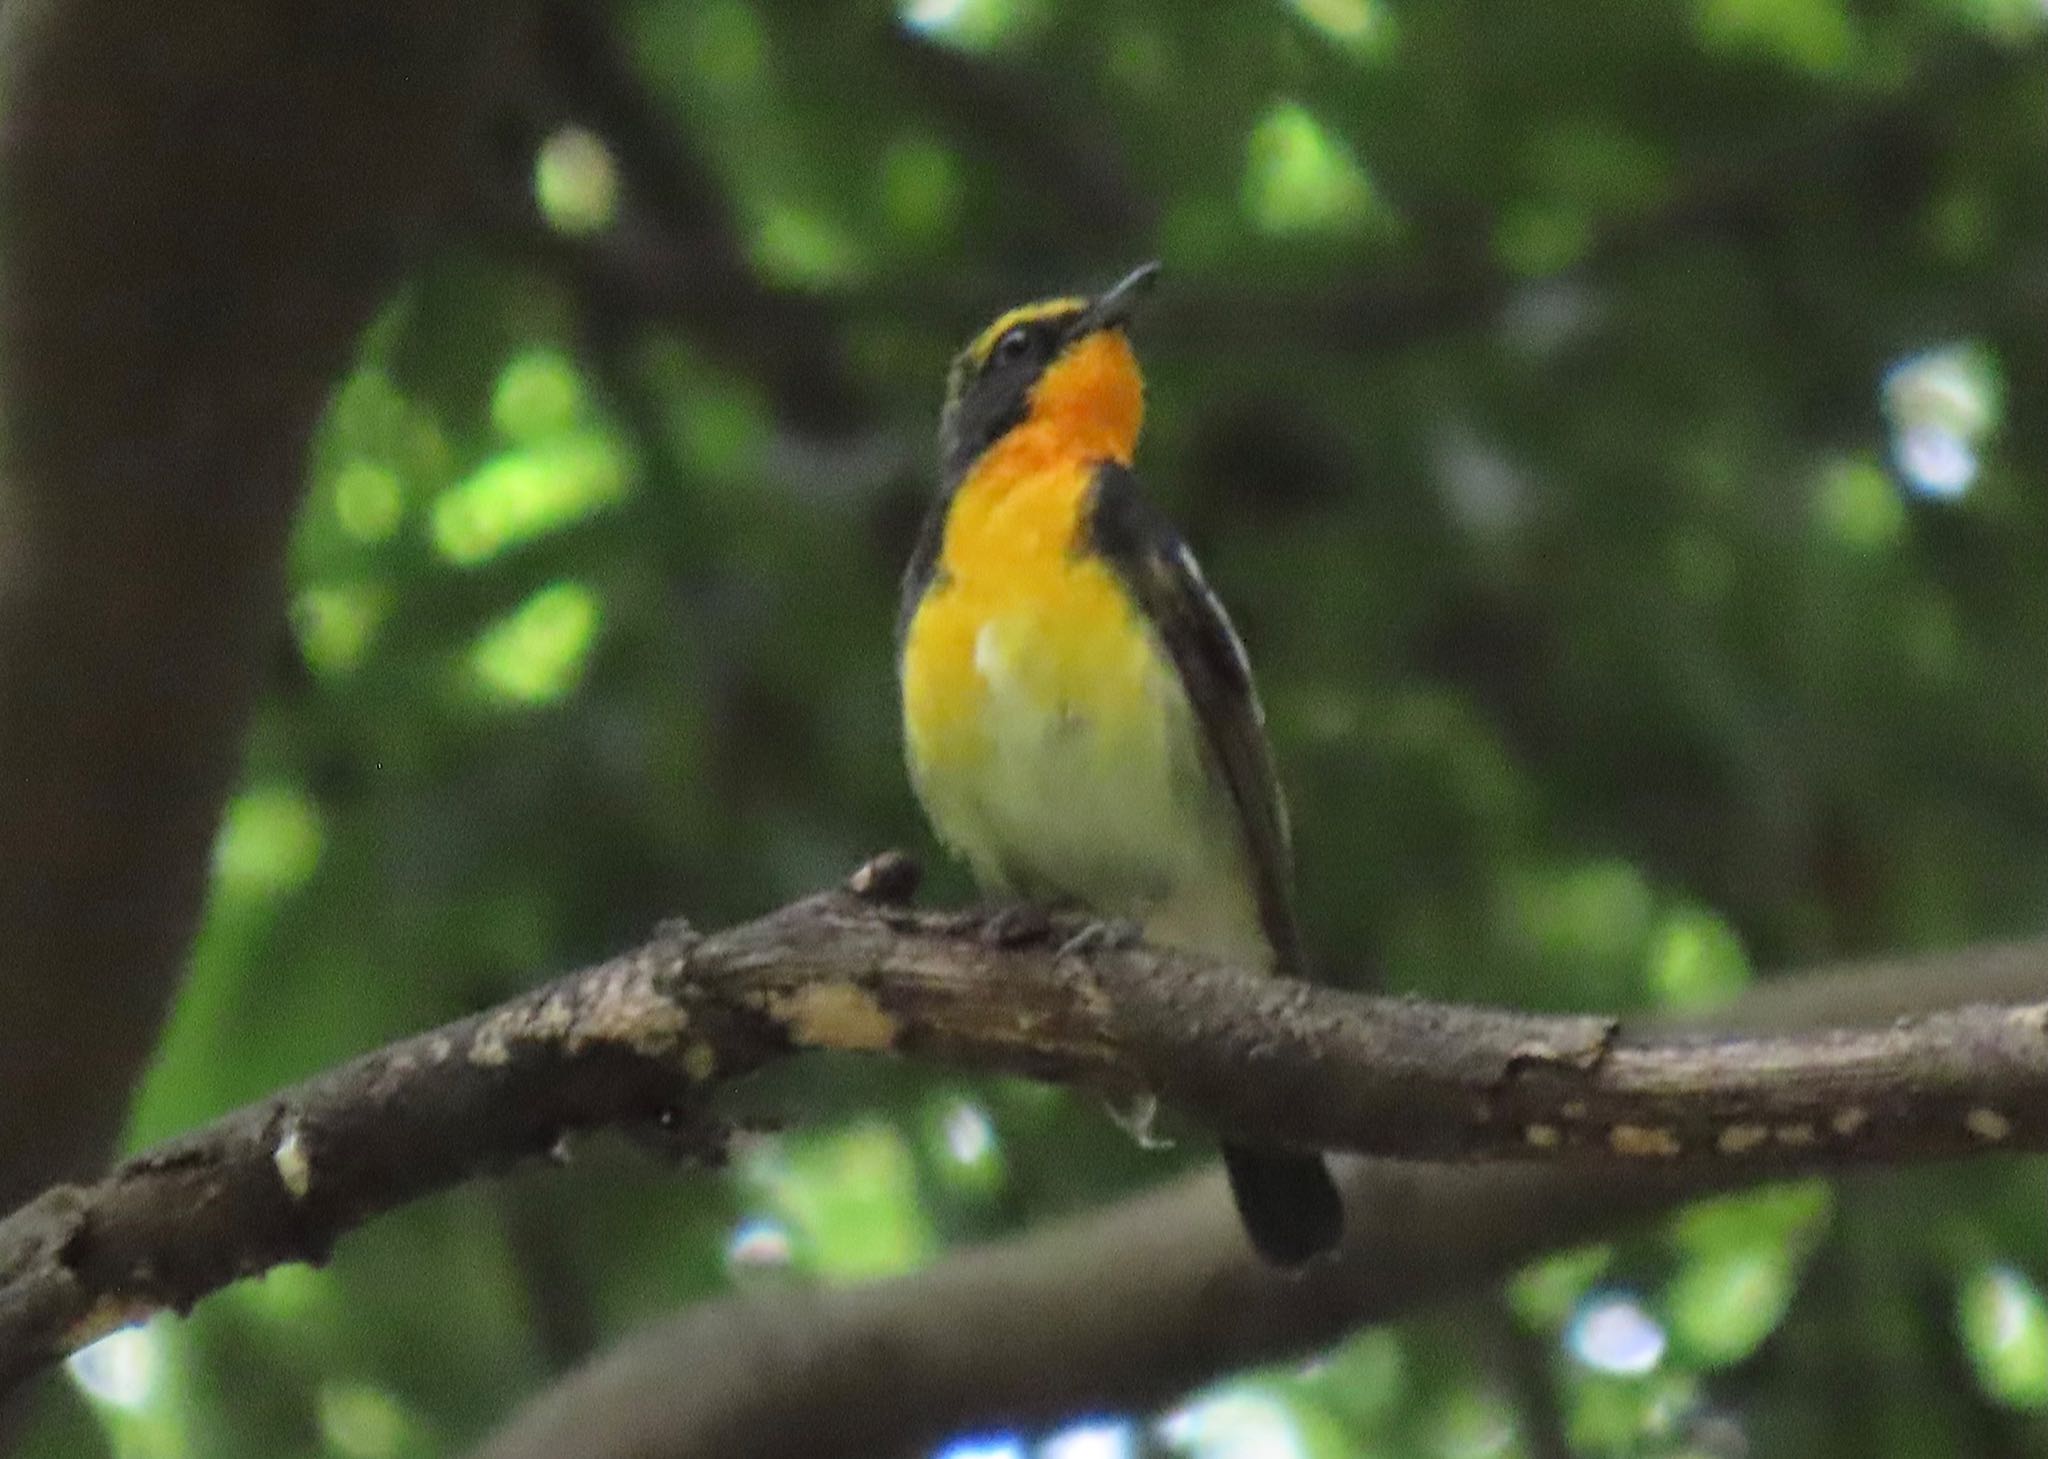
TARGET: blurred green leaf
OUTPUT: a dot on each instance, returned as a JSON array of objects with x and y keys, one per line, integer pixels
[
  {"x": 536, "y": 654},
  {"x": 528, "y": 492},
  {"x": 1776, "y": 1215},
  {"x": 269, "y": 842},
  {"x": 576, "y": 182},
  {"x": 851, "y": 1200},
  {"x": 1545, "y": 1293},
  {"x": 1696, "y": 960},
  {"x": 2004, "y": 1326},
  {"x": 1721, "y": 1306},
  {"x": 1301, "y": 179},
  {"x": 1814, "y": 35}
]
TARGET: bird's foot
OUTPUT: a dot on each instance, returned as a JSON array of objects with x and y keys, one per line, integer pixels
[
  {"x": 1107, "y": 934},
  {"x": 1137, "y": 1115}
]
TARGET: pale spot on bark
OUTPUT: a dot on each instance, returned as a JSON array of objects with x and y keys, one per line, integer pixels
[
  {"x": 617, "y": 1006},
  {"x": 1848, "y": 1121},
  {"x": 551, "y": 1020},
  {"x": 1798, "y": 1136},
  {"x": 1585, "y": 1055},
  {"x": 1543, "y": 1137},
  {"x": 833, "y": 1016},
  {"x": 492, "y": 1045},
  {"x": 1741, "y": 1139},
  {"x": 1987, "y": 1124},
  {"x": 1643, "y": 1140},
  {"x": 622, "y": 1007},
  {"x": 1574, "y": 1109},
  {"x": 294, "y": 1165},
  {"x": 700, "y": 1062},
  {"x": 2033, "y": 1017}
]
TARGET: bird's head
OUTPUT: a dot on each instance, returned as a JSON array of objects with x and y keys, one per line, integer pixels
[{"x": 1061, "y": 368}]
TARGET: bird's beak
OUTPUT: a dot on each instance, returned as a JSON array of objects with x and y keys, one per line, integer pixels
[{"x": 1112, "y": 308}]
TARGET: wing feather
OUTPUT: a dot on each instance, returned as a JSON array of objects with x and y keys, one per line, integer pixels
[{"x": 1160, "y": 572}]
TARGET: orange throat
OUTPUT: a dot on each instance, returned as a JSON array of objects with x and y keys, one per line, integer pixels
[
  {"x": 1090, "y": 402},
  {"x": 1029, "y": 486}
]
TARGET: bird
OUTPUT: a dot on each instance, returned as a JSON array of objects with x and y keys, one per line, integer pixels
[{"x": 1079, "y": 717}]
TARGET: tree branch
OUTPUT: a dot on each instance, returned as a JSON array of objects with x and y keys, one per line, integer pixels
[{"x": 646, "y": 1038}]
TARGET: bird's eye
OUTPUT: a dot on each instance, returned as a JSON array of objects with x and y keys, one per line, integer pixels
[{"x": 1014, "y": 345}]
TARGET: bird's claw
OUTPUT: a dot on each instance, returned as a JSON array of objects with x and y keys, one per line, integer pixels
[
  {"x": 1137, "y": 1115},
  {"x": 1109, "y": 934}
]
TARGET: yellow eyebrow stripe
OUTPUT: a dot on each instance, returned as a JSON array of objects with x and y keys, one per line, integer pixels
[{"x": 1022, "y": 314}]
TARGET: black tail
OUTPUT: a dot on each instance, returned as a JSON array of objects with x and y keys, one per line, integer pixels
[{"x": 1288, "y": 1203}]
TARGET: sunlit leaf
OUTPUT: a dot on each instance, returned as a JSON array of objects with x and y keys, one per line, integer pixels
[
  {"x": 2004, "y": 1325},
  {"x": 538, "y": 396},
  {"x": 1546, "y": 1292},
  {"x": 1859, "y": 507},
  {"x": 1598, "y": 911},
  {"x": 972, "y": 25},
  {"x": 369, "y": 501},
  {"x": 1363, "y": 1379},
  {"x": 364, "y": 1422},
  {"x": 335, "y": 624},
  {"x": 1623, "y": 1415},
  {"x": 920, "y": 184},
  {"x": 726, "y": 45},
  {"x": 1696, "y": 961},
  {"x": 850, "y": 1199},
  {"x": 537, "y": 652},
  {"x": 1813, "y": 35},
  {"x": 1473, "y": 1423},
  {"x": 1538, "y": 239},
  {"x": 1365, "y": 27},
  {"x": 1299, "y": 178},
  {"x": 1721, "y": 1306},
  {"x": 269, "y": 841},
  {"x": 1774, "y": 1215},
  {"x": 576, "y": 181},
  {"x": 801, "y": 246},
  {"x": 527, "y": 493}
]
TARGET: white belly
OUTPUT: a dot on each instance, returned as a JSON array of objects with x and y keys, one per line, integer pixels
[{"x": 1103, "y": 801}]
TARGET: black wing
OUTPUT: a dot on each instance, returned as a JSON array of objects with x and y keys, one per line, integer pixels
[
  {"x": 1160, "y": 573},
  {"x": 922, "y": 571}
]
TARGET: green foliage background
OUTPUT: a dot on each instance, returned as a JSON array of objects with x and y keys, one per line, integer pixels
[{"x": 1549, "y": 388}]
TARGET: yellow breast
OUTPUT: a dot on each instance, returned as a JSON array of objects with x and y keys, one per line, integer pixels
[
  {"x": 1049, "y": 737},
  {"x": 1016, "y": 613}
]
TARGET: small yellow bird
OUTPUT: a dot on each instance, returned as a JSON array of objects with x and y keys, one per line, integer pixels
[{"x": 1078, "y": 713}]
